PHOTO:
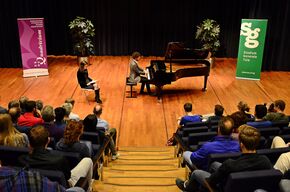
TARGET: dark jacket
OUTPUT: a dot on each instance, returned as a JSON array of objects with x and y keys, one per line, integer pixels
[{"x": 44, "y": 159}]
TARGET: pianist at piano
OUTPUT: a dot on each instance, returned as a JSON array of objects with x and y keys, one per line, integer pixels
[{"x": 136, "y": 73}]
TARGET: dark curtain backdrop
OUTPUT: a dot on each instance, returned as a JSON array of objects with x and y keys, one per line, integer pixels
[{"x": 146, "y": 25}]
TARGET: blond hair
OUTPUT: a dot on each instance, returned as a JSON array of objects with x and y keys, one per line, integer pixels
[{"x": 9, "y": 135}]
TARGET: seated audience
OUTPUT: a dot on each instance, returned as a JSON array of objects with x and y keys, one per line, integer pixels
[
  {"x": 9, "y": 135},
  {"x": 189, "y": 116},
  {"x": 68, "y": 108},
  {"x": 59, "y": 125},
  {"x": 13, "y": 103},
  {"x": 29, "y": 118},
  {"x": 71, "y": 140},
  {"x": 90, "y": 125},
  {"x": 72, "y": 115},
  {"x": 22, "y": 102},
  {"x": 283, "y": 162},
  {"x": 42, "y": 158},
  {"x": 222, "y": 143},
  {"x": 278, "y": 115},
  {"x": 98, "y": 110},
  {"x": 22, "y": 180},
  {"x": 260, "y": 112},
  {"x": 244, "y": 108},
  {"x": 3, "y": 110},
  {"x": 39, "y": 106},
  {"x": 249, "y": 139},
  {"x": 239, "y": 118},
  {"x": 278, "y": 142},
  {"x": 218, "y": 113},
  {"x": 14, "y": 113},
  {"x": 48, "y": 116}
]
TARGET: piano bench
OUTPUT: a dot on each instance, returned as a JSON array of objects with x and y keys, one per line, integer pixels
[{"x": 131, "y": 87}]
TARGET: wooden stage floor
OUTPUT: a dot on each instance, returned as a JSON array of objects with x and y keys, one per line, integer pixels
[{"x": 143, "y": 121}]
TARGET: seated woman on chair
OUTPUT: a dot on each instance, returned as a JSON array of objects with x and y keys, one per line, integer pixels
[{"x": 86, "y": 82}]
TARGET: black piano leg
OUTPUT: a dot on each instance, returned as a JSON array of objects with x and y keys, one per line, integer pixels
[
  {"x": 205, "y": 83},
  {"x": 159, "y": 92}
]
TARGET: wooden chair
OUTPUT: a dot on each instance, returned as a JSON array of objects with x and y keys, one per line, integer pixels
[{"x": 86, "y": 95}]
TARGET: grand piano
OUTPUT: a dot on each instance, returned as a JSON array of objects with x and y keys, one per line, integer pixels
[{"x": 179, "y": 62}]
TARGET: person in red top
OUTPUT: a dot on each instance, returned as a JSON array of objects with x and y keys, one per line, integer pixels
[{"x": 30, "y": 118}]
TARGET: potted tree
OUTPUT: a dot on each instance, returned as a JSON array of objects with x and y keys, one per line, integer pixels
[
  {"x": 82, "y": 32},
  {"x": 208, "y": 33}
]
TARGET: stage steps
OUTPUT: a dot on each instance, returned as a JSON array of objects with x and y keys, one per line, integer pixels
[{"x": 141, "y": 169}]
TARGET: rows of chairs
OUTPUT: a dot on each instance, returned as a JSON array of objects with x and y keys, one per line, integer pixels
[
  {"x": 194, "y": 135},
  {"x": 9, "y": 157}
]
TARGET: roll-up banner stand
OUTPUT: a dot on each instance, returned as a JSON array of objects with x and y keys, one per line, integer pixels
[
  {"x": 251, "y": 48},
  {"x": 33, "y": 46}
]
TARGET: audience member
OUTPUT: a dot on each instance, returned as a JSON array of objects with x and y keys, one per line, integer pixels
[
  {"x": 22, "y": 102},
  {"x": 189, "y": 116},
  {"x": 109, "y": 131},
  {"x": 239, "y": 119},
  {"x": 90, "y": 125},
  {"x": 39, "y": 107},
  {"x": 244, "y": 108},
  {"x": 218, "y": 113},
  {"x": 279, "y": 106},
  {"x": 48, "y": 116},
  {"x": 22, "y": 180},
  {"x": 72, "y": 115},
  {"x": 71, "y": 140},
  {"x": 271, "y": 108},
  {"x": 260, "y": 112},
  {"x": 68, "y": 108},
  {"x": 86, "y": 82},
  {"x": 222, "y": 143},
  {"x": 13, "y": 103},
  {"x": 249, "y": 139},
  {"x": 14, "y": 113},
  {"x": 59, "y": 125},
  {"x": 9, "y": 135},
  {"x": 28, "y": 118},
  {"x": 3, "y": 110},
  {"x": 283, "y": 162},
  {"x": 42, "y": 158}
]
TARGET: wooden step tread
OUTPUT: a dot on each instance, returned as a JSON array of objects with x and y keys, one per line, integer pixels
[
  {"x": 159, "y": 181},
  {"x": 142, "y": 168},
  {"x": 137, "y": 157},
  {"x": 150, "y": 153},
  {"x": 165, "y": 173},
  {"x": 144, "y": 162},
  {"x": 113, "y": 188},
  {"x": 147, "y": 149}
]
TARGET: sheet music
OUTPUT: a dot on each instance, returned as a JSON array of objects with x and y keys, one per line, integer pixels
[{"x": 148, "y": 74}]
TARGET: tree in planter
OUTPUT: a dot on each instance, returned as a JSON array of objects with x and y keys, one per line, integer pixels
[
  {"x": 208, "y": 33},
  {"x": 82, "y": 32}
]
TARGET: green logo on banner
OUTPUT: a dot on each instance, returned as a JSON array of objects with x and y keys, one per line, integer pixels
[{"x": 251, "y": 48}]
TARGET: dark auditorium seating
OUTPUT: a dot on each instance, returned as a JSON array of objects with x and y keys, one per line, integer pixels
[
  {"x": 72, "y": 157},
  {"x": 195, "y": 124},
  {"x": 251, "y": 180},
  {"x": 9, "y": 155},
  {"x": 94, "y": 137},
  {"x": 187, "y": 130},
  {"x": 221, "y": 157},
  {"x": 194, "y": 138},
  {"x": 269, "y": 131},
  {"x": 273, "y": 154},
  {"x": 280, "y": 124}
]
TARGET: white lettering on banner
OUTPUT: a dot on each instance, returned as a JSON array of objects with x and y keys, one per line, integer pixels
[{"x": 251, "y": 35}]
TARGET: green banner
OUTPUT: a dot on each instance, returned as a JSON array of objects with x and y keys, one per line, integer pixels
[{"x": 251, "y": 48}]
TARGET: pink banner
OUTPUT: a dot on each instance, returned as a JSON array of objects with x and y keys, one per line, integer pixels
[{"x": 33, "y": 46}]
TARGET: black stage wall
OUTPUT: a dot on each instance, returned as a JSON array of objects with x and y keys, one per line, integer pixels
[{"x": 147, "y": 25}]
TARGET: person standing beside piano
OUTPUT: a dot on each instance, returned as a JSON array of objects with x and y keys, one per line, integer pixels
[{"x": 137, "y": 74}]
